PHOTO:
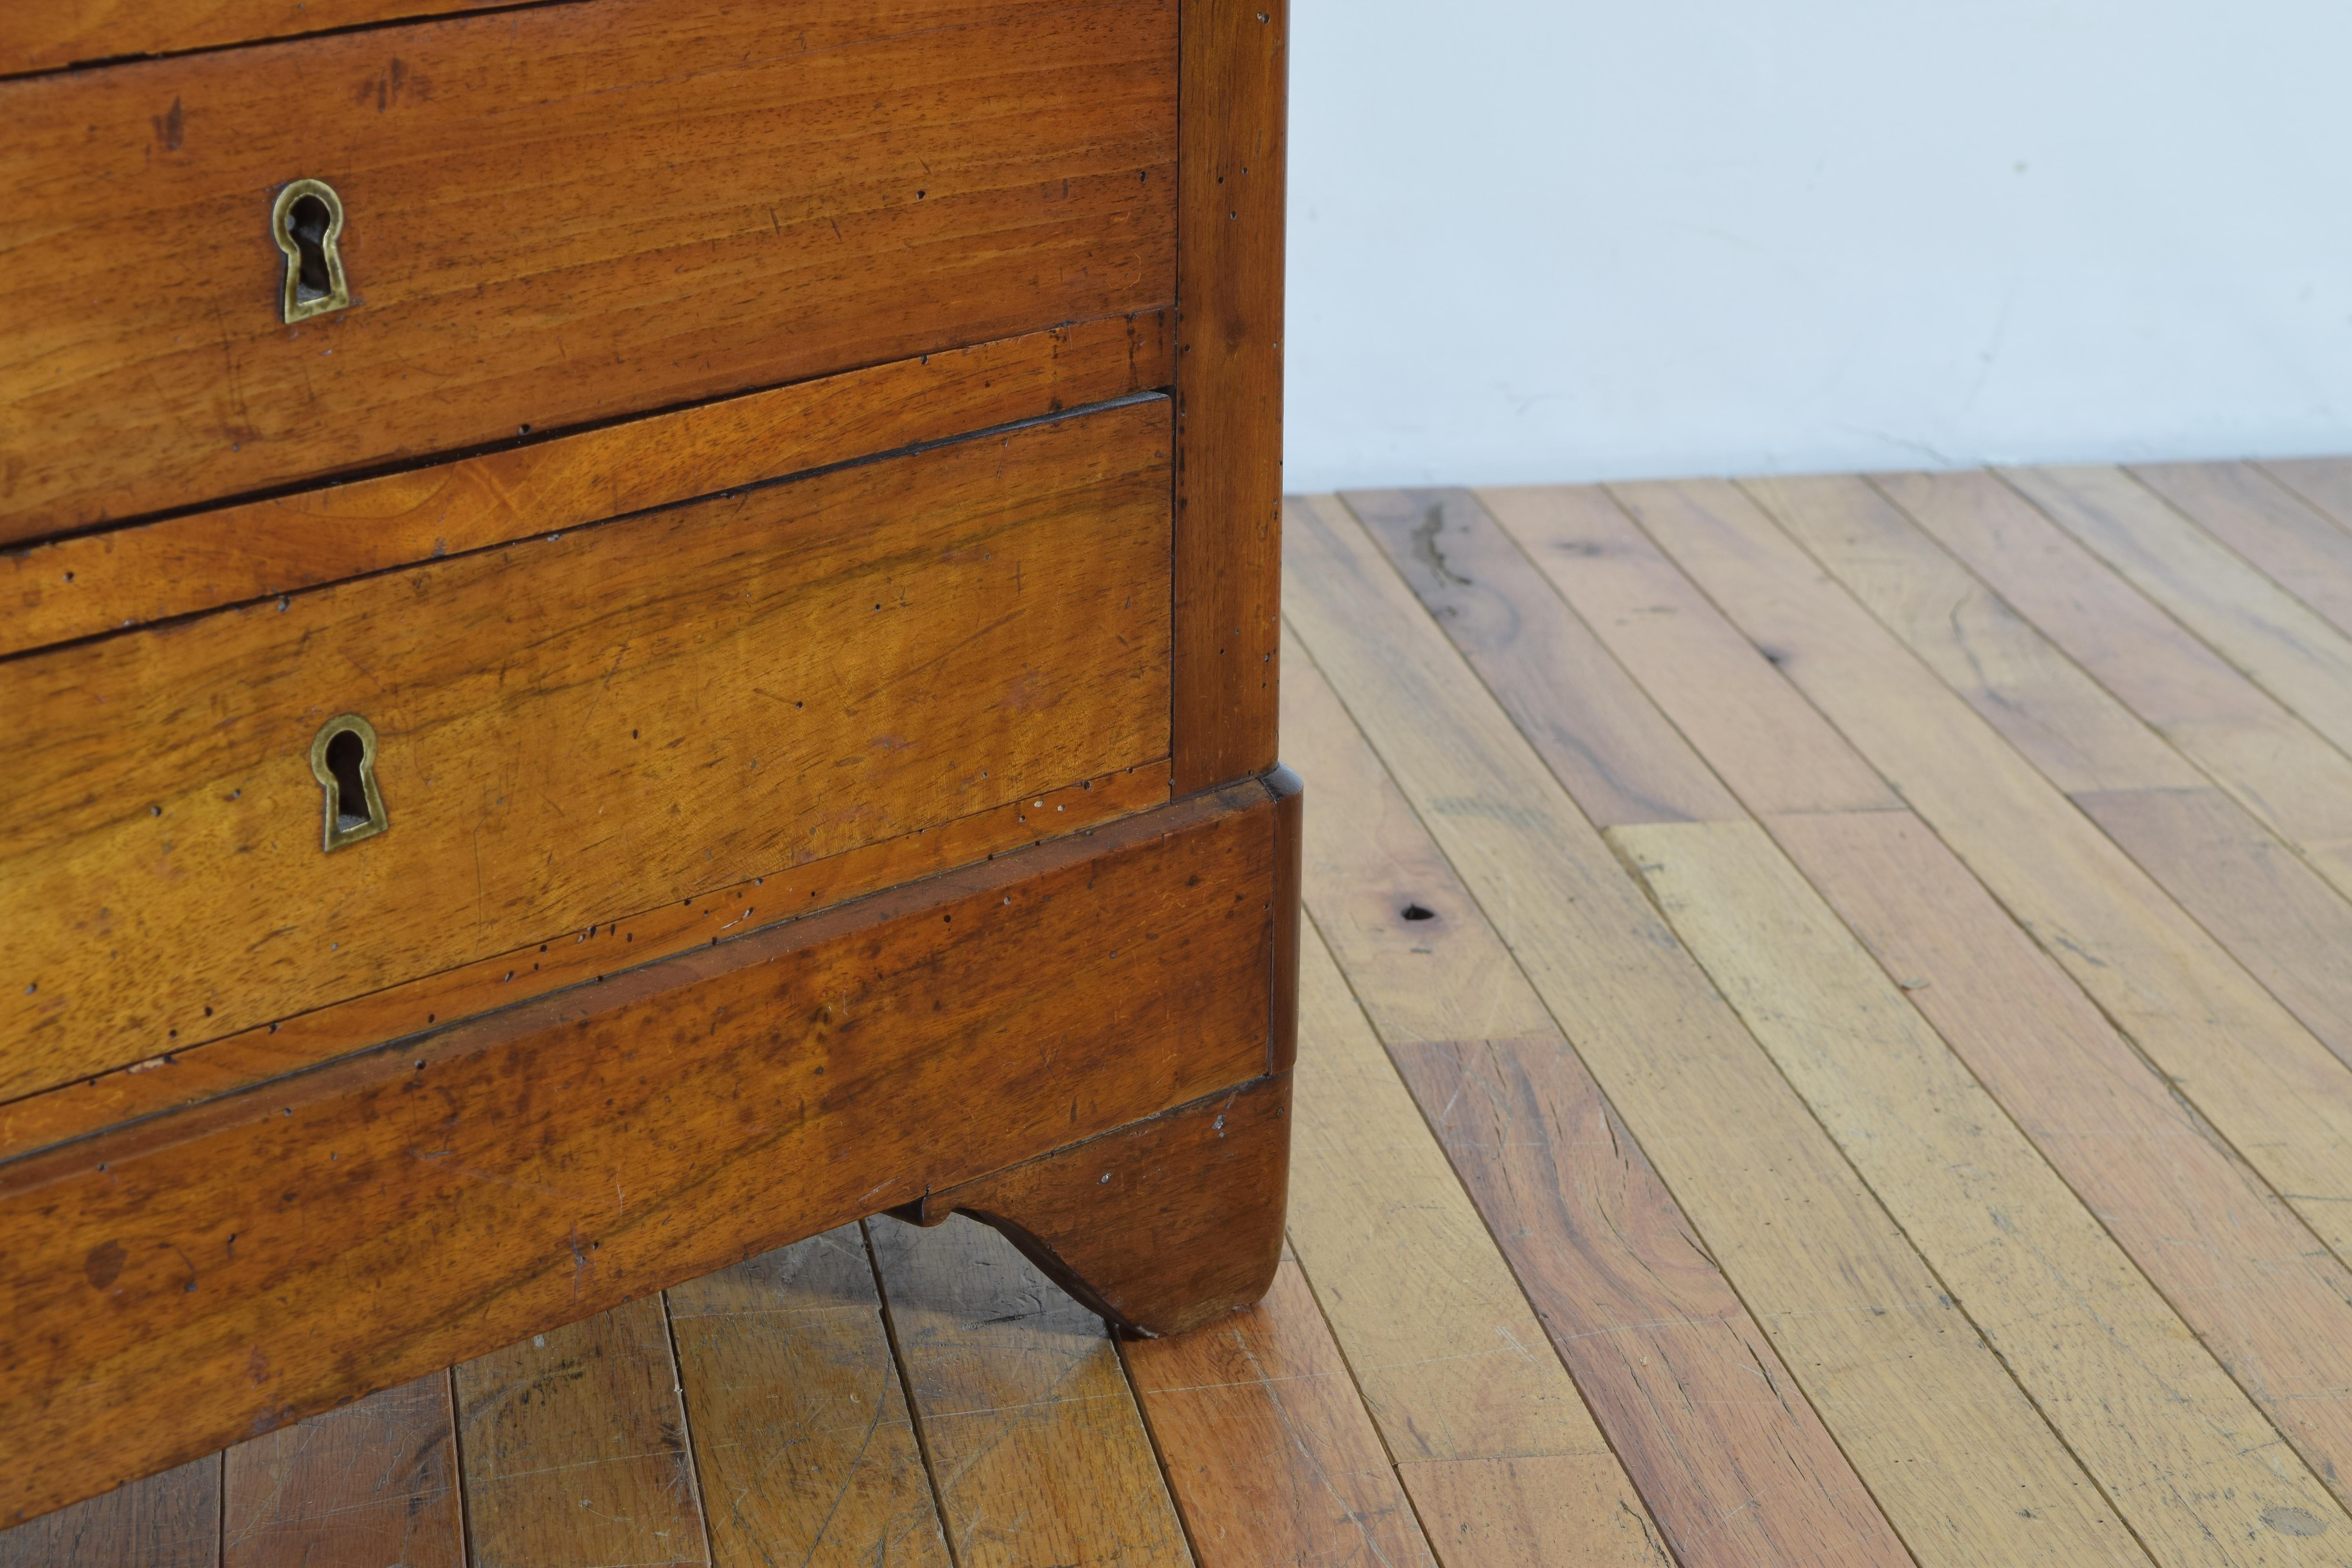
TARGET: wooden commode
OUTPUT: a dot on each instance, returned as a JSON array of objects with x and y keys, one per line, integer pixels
[{"x": 629, "y": 629}]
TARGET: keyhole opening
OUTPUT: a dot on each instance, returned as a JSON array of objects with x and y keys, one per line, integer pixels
[
  {"x": 343, "y": 759},
  {"x": 1415, "y": 912},
  {"x": 307, "y": 221},
  {"x": 308, "y": 225},
  {"x": 343, "y": 755}
]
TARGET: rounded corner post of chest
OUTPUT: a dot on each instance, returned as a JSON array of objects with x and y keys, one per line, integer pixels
[
  {"x": 1290, "y": 908},
  {"x": 1231, "y": 157}
]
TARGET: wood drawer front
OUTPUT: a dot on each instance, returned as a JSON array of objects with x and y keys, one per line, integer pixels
[
  {"x": 573, "y": 729},
  {"x": 44, "y": 34},
  {"x": 554, "y": 216}
]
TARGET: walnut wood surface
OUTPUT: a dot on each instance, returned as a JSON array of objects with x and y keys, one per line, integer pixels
[
  {"x": 2294, "y": 781},
  {"x": 1953, "y": 1451},
  {"x": 1445, "y": 1348},
  {"x": 1229, "y": 233},
  {"x": 1668, "y": 1357},
  {"x": 1606, "y": 741},
  {"x": 189, "y": 1074},
  {"x": 93, "y": 582},
  {"x": 801, "y": 1435},
  {"x": 553, "y": 215},
  {"x": 575, "y": 1447},
  {"x": 251, "y": 1261},
  {"x": 1727, "y": 703},
  {"x": 2111, "y": 1366},
  {"x": 2278, "y": 642},
  {"x": 1421, "y": 961},
  {"x": 1038, "y": 1451},
  {"x": 1905, "y": 1110},
  {"x": 2257, "y": 1288},
  {"x": 2260, "y": 1291},
  {"x": 2229, "y": 1048},
  {"x": 2269, "y": 907},
  {"x": 1161, "y": 1225},
  {"x": 2066, "y": 723},
  {"x": 1289, "y": 878},
  {"x": 1662, "y": 1348},
  {"x": 2294, "y": 544},
  {"x": 2325, "y": 482},
  {"x": 167, "y": 1521},
  {"x": 571, "y": 728},
  {"x": 373, "y": 1483},
  {"x": 43, "y": 35},
  {"x": 1529, "y": 1508},
  {"x": 1266, "y": 1444},
  {"x": 2275, "y": 915}
]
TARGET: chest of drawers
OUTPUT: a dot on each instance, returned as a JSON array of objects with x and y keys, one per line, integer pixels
[{"x": 630, "y": 629}]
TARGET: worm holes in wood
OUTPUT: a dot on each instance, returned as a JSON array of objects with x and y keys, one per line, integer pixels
[{"x": 343, "y": 759}]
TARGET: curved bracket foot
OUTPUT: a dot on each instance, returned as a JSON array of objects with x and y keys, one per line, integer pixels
[{"x": 1159, "y": 1226}]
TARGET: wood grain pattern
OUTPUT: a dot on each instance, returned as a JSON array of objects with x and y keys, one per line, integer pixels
[
  {"x": 2080, "y": 735},
  {"x": 1660, "y": 1345},
  {"x": 45, "y": 34},
  {"x": 556, "y": 216},
  {"x": 1447, "y": 1351},
  {"x": 167, "y": 1521},
  {"x": 93, "y": 582},
  {"x": 571, "y": 728},
  {"x": 1510, "y": 1511},
  {"x": 1160, "y": 1226},
  {"x": 1267, "y": 1445},
  {"x": 2271, "y": 911},
  {"x": 575, "y": 1447},
  {"x": 1233, "y": 149},
  {"x": 1437, "y": 975},
  {"x": 557, "y": 1158},
  {"x": 2294, "y": 781},
  {"x": 2269, "y": 1087},
  {"x": 1697, "y": 1403},
  {"x": 187, "y": 1076},
  {"x": 1029, "y": 1424},
  {"x": 2260, "y": 1291},
  {"x": 2292, "y": 542},
  {"x": 2325, "y": 482},
  {"x": 1949, "y": 1447},
  {"x": 2263, "y": 631},
  {"x": 2192, "y": 1465},
  {"x": 2153, "y": 1169},
  {"x": 2203, "y": 1226},
  {"x": 1787, "y": 755},
  {"x": 1616, "y": 754},
  {"x": 802, "y": 1441},
  {"x": 373, "y": 1483}
]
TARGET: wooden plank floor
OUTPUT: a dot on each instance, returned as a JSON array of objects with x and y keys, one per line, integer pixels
[{"x": 1826, "y": 1038}]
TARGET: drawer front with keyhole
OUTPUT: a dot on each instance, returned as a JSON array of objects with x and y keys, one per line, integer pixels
[
  {"x": 568, "y": 731},
  {"x": 236, "y": 270}
]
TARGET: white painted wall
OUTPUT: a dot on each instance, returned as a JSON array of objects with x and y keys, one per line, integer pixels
[{"x": 1566, "y": 239}]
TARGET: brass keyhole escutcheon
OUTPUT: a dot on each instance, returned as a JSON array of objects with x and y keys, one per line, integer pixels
[
  {"x": 307, "y": 221},
  {"x": 344, "y": 758}
]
